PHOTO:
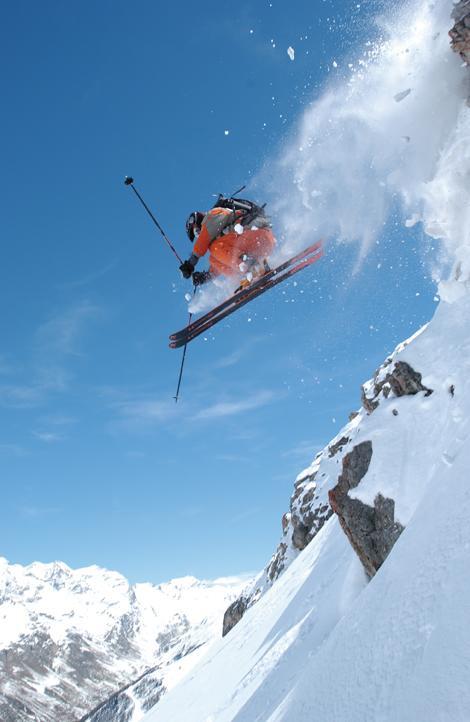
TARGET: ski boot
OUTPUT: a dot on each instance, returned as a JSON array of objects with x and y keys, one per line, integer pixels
[{"x": 252, "y": 268}]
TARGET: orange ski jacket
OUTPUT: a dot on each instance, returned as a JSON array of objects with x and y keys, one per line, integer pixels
[{"x": 227, "y": 246}]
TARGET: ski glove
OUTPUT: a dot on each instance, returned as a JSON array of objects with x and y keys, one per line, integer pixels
[
  {"x": 200, "y": 277},
  {"x": 187, "y": 269}
]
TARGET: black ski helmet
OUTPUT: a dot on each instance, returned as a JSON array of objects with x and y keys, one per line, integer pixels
[{"x": 194, "y": 223}]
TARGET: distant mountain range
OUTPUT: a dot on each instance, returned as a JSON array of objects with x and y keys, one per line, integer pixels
[{"x": 71, "y": 639}]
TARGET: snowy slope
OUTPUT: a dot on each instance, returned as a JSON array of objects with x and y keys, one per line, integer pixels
[
  {"x": 322, "y": 643},
  {"x": 316, "y": 640},
  {"x": 71, "y": 638},
  {"x": 394, "y": 128}
]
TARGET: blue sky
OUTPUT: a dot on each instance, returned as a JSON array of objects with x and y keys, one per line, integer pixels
[{"x": 97, "y": 463}]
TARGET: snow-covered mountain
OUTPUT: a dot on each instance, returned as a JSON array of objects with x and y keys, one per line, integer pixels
[
  {"x": 70, "y": 639},
  {"x": 362, "y": 612},
  {"x": 387, "y": 500}
]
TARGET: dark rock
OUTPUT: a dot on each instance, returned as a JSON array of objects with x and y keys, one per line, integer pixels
[
  {"x": 372, "y": 531},
  {"x": 276, "y": 565},
  {"x": 300, "y": 536},
  {"x": 405, "y": 381},
  {"x": 369, "y": 404},
  {"x": 233, "y": 615},
  {"x": 402, "y": 381},
  {"x": 285, "y": 522},
  {"x": 460, "y": 33},
  {"x": 355, "y": 467},
  {"x": 337, "y": 446}
]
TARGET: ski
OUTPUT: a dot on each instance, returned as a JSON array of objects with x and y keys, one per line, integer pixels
[
  {"x": 206, "y": 323},
  {"x": 240, "y": 295}
]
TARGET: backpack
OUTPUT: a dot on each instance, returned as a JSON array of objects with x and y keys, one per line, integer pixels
[{"x": 249, "y": 209}]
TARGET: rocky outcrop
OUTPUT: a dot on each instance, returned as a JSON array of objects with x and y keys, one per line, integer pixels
[
  {"x": 308, "y": 512},
  {"x": 372, "y": 531},
  {"x": 403, "y": 380},
  {"x": 323, "y": 489},
  {"x": 233, "y": 614},
  {"x": 460, "y": 33},
  {"x": 337, "y": 446},
  {"x": 276, "y": 565}
]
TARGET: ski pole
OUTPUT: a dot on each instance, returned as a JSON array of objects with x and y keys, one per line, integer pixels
[
  {"x": 128, "y": 181},
  {"x": 238, "y": 191},
  {"x": 176, "y": 397}
]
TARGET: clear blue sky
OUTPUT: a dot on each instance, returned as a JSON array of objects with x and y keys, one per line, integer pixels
[{"x": 97, "y": 464}]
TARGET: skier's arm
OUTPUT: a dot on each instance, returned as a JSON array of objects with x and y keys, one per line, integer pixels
[
  {"x": 212, "y": 226},
  {"x": 203, "y": 242}
]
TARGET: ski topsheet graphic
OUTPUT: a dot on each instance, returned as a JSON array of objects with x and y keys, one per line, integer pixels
[{"x": 270, "y": 279}]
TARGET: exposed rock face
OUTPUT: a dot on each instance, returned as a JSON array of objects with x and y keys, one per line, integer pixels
[
  {"x": 322, "y": 489},
  {"x": 372, "y": 531},
  {"x": 233, "y": 614},
  {"x": 276, "y": 565},
  {"x": 403, "y": 380},
  {"x": 309, "y": 511},
  {"x": 338, "y": 445},
  {"x": 460, "y": 33}
]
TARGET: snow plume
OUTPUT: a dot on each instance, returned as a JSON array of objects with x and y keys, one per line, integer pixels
[{"x": 395, "y": 130}]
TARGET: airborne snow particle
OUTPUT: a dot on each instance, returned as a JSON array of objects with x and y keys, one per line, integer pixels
[
  {"x": 401, "y": 96},
  {"x": 226, "y": 132},
  {"x": 335, "y": 64},
  {"x": 291, "y": 52}
]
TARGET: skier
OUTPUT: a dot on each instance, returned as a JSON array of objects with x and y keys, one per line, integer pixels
[{"x": 239, "y": 242}]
